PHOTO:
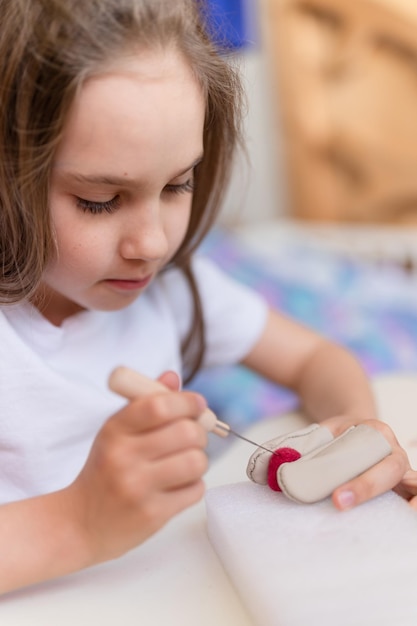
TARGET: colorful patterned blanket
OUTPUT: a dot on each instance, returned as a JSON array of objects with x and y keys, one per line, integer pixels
[{"x": 371, "y": 310}]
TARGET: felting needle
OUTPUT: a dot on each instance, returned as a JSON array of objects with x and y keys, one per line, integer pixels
[{"x": 226, "y": 428}]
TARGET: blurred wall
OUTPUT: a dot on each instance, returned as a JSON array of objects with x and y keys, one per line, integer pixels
[
  {"x": 257, "y": 191},
  {"x": 346, "y": 79}
]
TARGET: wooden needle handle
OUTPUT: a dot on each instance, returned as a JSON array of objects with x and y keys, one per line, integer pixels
[{"x": 131, "y": 384}]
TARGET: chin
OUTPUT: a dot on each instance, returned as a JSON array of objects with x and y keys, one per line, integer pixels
[{"x": 114, "y": 305}]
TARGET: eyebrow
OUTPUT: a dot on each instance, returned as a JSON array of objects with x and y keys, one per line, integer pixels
[{"x": 117, "y": 181}]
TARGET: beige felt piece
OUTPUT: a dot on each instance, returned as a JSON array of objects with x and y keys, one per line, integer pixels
[
  {"x": 316, "y": 475},
  {"x": 304, "y": 441}
]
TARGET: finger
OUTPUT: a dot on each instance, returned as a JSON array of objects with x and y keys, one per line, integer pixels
[
  {"x": 130, "y": 383},
  {"x": 340, "y": 424},
  {"x": 157, "y": 410},
  {"x": 171, "y": 380},
  {"x": 172, "y": 502},
  {"x": 186, "y": 496},
  {"x": 171, "y": 439},
  {"x": 378, "y": 479},
  {"x": 179, "y": 470}
]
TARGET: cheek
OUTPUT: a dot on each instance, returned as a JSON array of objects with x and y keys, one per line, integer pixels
[
  {"x": 77, "y": 249},
  {"x": 76, "y": 237},
  {"x": 70, "y": 244},
  {"x": 178, "y": 224}
]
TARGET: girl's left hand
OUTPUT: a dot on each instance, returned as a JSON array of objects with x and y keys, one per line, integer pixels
[{"x": 393, "y": 472}]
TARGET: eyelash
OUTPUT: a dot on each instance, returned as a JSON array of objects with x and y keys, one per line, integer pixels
[
  {"x": 187, "y": 187},
  {"x": 90, "y": 206}
]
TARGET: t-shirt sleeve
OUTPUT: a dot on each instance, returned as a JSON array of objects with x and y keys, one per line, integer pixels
[{"x": 234, "y": 314}]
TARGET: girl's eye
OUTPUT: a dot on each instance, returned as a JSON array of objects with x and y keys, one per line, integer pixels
[
  {"x": 187, "y": 187},
  {"x": 90, "y": 206}
]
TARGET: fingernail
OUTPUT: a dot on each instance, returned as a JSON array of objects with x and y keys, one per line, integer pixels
[{"x": 345, "y": 499}]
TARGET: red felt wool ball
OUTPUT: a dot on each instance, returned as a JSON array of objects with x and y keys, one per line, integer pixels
[{"x": 280, "y": 456}]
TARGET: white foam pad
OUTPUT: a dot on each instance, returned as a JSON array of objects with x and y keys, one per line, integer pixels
[{"x": 296, "y": 564}]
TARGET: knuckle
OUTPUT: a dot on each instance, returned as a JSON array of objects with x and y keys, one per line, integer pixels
[
  {"x": 129, "y": 481},
  {"x": 114, "y": 457},
  {"x": 158, "y": 404},
  {"x": 190, "y": 433},
  {"x": 134, "y": 484},
  {"x": 186, "y": 431}
]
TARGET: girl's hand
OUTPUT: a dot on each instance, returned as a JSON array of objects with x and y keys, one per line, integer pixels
[
  {"x": 145, "y": 466},
  {"x": 393, "y": 472}
]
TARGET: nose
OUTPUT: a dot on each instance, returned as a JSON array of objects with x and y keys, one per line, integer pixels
[{"x": 144, "y": 237}]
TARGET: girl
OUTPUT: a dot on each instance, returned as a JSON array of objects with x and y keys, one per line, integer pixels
[{"x": 118, "y": 122}]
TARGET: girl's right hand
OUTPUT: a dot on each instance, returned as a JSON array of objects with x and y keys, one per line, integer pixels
[{"x": 145, "y": 466}]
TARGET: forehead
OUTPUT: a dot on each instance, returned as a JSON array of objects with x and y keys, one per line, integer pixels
[{"x": 149, "y": 103}]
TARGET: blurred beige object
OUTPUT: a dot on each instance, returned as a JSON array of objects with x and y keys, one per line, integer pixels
[{"x": 346, "y": 75}]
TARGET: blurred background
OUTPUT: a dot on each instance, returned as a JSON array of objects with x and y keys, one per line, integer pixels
[
  {"x": 322, "y": 217},
  {"x": 258, "y": 188},
  {"x": 331, "y": 126}
]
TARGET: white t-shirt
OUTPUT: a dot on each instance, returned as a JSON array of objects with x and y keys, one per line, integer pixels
[{"x": 53, "y": 380}]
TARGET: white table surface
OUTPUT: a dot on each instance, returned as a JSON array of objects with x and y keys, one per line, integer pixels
[{"x": 176, "y": 579}]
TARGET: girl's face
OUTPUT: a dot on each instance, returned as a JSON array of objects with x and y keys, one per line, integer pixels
[{"x": 121, "y": 186}]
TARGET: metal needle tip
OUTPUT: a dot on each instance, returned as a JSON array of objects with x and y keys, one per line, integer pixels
[{"x": 227, "y": 429}]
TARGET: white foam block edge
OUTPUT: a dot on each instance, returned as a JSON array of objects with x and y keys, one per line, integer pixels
[{"x": 296, "y": 564}]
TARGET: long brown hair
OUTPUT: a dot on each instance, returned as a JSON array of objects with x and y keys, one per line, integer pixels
[{"x": 47, "y": 49}]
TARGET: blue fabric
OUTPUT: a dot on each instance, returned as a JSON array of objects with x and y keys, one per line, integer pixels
[{"x": 227, "y": 23}]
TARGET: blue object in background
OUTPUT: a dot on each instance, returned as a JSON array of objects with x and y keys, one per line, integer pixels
[{"x": 229, "y": 23}]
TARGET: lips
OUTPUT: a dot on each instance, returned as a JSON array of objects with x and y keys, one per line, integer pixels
[{"x": 129, "y": 284}]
